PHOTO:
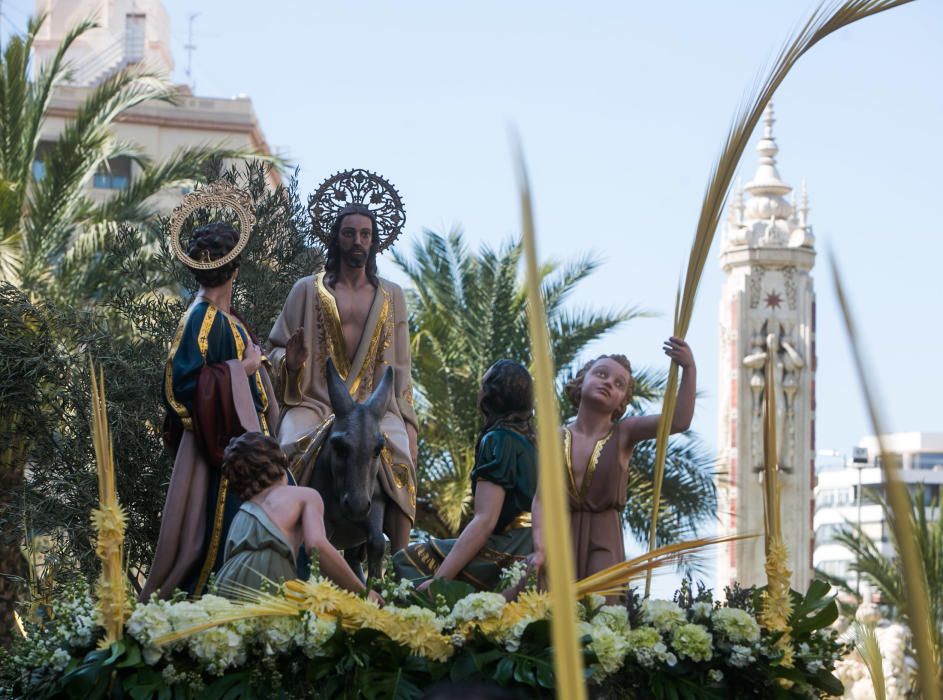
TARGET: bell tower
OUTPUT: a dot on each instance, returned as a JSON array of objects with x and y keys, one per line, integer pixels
[{"x": 767, "y": 302}]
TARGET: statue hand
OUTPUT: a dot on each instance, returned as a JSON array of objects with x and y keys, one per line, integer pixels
[
  {"x": 296, "y": 350},
  {"x": 251, "y": 359},
  {"x": 679, "y": 351}
]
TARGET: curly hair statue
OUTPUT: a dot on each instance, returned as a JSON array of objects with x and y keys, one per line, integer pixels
[
  {"x": 253, "y": 462},
  {"x": 574, "y": 388},
  {"x": 507, "y": 399},
  {"x": 211, "y": 242}
]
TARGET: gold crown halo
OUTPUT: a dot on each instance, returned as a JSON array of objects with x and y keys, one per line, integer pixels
[
  {"x": 358, "y": 186},
  {"x": 218, "y": 194}
]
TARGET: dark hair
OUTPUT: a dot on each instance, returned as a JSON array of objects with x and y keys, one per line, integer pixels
[
  {"x": 574, "y": 387},
  {"x": 507, "y": 399},
  {"x": 332, "y": 260},
  {"x": 211, "y": 242},
  {"x": 253, "y": 462}
]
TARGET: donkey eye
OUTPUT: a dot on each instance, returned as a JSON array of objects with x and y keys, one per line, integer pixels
[{"x": 341, "y": 449}]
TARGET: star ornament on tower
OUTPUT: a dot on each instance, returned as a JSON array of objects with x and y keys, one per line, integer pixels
[{"x": 773, "y": 300}]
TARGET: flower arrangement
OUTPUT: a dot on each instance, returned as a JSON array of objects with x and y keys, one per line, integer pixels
[{"x": 311, "y": 636}]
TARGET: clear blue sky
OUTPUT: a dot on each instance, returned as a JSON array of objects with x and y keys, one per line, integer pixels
[{"x": 622, "y": 108}]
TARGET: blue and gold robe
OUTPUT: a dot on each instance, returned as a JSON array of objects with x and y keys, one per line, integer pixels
[{"x": 208, "y": 393}]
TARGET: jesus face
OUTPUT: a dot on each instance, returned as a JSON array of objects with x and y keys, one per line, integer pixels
[
  {"x": 605, "y": 385},
  {"x": 354, "y": 239}
]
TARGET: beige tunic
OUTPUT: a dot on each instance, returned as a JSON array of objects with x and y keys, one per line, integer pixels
[
  {"x": 304, "y": 395},
  {"x": 596, "y": 505}
]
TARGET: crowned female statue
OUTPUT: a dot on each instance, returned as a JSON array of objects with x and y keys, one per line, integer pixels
[{"x": 215, "y": 388}]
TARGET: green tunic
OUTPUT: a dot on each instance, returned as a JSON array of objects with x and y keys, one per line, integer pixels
[
  {"x": 509, "y": 460},
  {"x": 256, "y": 548}
]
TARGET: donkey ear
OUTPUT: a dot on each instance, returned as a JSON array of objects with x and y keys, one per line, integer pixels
[
  {"x": 341, "y": 401},
  {"x": 379, "y": 400}
]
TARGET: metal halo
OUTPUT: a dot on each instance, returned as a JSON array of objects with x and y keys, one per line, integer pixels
[
  {"x": 358, "y": 186},
  {"x": 220, "y": 194}
]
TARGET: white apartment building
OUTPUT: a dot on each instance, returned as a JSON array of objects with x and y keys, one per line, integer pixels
[
  {"x": 844, "y": 494},
  {"x": 136, "y": 32}
]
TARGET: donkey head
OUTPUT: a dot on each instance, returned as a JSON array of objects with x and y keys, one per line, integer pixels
[{"x": 356, "y": 442}]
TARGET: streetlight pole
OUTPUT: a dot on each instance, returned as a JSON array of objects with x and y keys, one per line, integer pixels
[{"x": 860, "y": 460}]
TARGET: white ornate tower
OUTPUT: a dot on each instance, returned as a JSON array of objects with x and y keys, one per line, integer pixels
[{"x": 768, "y": 301}]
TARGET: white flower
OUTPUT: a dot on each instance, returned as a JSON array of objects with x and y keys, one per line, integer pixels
[
  {"x": 692, "y": 642},
  {"x": 609, "y": 647},
  {"x": 715, "y": 675},
  {"x": 478, "y": 606},
  {"x": 735, "y": 625},
  {"x": 60, "y": 659},
  {"x": 317, "y": 631},
  {"x": 664, "y": 615},
  {"x": 741, "y": 656},
  {"x": 615, "y": 617},
  {"x": 414, "y": 612},
  {"x": 218, "y": 648},
  {"x": 147, "y": 623},
  {"x": 701, "y": 612},
  {"x": 643, "y": 643},
  {"x": 281, "y": 634}
]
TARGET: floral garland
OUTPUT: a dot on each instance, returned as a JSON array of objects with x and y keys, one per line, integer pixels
[{"x": 313, "y": 634}]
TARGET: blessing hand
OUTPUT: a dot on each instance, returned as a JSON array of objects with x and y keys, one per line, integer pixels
[
  {"x": 251, "y": 359},
  {"x": 296, "y": 350},
  {"x": 679, "y": 351}
]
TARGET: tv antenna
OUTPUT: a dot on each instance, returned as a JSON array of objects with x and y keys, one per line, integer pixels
[{"x": 190, "y": 47}]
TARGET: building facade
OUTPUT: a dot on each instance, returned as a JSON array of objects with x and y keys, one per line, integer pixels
[
  {"x": 767, "y": 304},
  {"x": 845, "y": 495},
  {"x": 134, "y": 32}
]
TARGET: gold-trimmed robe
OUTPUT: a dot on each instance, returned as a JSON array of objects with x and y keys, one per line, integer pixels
[{"x": 304, "y": 395}]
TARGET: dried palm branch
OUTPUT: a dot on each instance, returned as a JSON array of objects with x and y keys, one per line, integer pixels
[
  {"x": 829, "y": 17},
  {"x": 567, "y": 660},
  {"x": 108, "y": 521},
  {"x": 866, "y": 644},
  {"x": 777, "y": 603},
  {"x": 916, "y": 602},
  {"x": 615, "y": 578}
]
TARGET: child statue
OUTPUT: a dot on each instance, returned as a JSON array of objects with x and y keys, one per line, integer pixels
[
  {"x": 504, "y": 480},
  {"x": 598, "y": 445},
  {"x": 274, "y": 521}
]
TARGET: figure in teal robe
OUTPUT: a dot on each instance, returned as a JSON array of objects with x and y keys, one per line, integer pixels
[{"x": 508, "y": 459}]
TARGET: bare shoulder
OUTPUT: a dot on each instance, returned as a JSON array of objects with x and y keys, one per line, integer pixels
[{"x": 309, "y": 495}]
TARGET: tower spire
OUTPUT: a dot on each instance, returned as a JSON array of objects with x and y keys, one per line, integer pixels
[{"x": 767, "y": 181}]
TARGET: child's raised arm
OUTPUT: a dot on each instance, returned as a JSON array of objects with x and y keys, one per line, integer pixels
[{"x": 638, "y": 428}]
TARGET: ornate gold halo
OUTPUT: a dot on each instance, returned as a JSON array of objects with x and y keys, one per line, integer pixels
[
  {"x": 220, "y": 194},
  {"x": 358, "y": 186}
]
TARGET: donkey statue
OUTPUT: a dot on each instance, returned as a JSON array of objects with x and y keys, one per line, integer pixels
[{"x": 345, "y": 467}]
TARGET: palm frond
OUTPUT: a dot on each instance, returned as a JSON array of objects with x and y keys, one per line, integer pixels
[
  {"x": 825, "y": 20},
  {"x": 926, "y": 635},
  {"x": 567, "y": 660}
]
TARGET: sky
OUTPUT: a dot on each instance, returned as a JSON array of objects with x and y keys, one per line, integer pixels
[{"x": 622, "y": 108}]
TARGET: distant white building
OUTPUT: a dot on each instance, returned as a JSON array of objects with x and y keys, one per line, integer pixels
[
  {"x": 843, "y": 495},
  {"x": 134, "y": 32}
]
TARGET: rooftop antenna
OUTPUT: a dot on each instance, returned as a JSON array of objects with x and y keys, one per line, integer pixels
[{"x": 190, "y": 47}]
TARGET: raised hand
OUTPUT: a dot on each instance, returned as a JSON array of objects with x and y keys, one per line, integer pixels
[
  {"x": 296, "y": 350},
  {"x": 679, "y": 351}
]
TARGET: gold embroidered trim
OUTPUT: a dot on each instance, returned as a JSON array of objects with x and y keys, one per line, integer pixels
[
  {"x": 214, "y": 538},
  {"x": 235, "y": 326},
  {"x": 423, "y": 562},
  {"x": 337, "y": 347},
  {"x": 523, "y": 519},
  {"x": 580, "y": 493},
  {"x": 369, "y": 360},
  {"x": 178, "y": 407},
  {"x": 203, "y": 339}
]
